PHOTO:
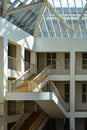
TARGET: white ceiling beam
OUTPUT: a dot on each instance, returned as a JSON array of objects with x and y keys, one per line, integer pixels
[
  {"x": 25, "y": 7},
  {"x": 58, "y": 17},
  {"x": 80, "y": 18},
  {"x": 4, "y": 4}
]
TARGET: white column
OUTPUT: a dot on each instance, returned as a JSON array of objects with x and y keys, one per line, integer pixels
[
  {"x": 4, "y": 126},
  {"x": 72, "y": 91},
  {"x": 33, "y": 59},
  {"x": 3, "y": 77},
  {"x": 22, "y": 59},
  {"x": 3, "y": 71}
]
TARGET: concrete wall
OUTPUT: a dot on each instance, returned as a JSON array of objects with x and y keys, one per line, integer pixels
[
  {"x": 60, "y": 44},
  {"x": 78, "y": 97},
  {"x": 78, "y": 60},
  {"x": 60, "y": 63}
]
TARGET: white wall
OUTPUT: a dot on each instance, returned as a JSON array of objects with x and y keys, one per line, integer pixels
[
  {"x": 15, "y": 34},
  {"x": 60, "y": 44}
]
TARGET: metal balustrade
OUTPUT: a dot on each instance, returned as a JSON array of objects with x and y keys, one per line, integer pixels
[
  {"x": 50, "y": 87},
  {"x": 80, "y": 69},
  {"x": 80, "y": 106},
  {"x": 39, "y": 78},
  {"x": 14, "y": 63},
  {"x": 38, "y": 122},
  {"x": 17, "y": 82}
]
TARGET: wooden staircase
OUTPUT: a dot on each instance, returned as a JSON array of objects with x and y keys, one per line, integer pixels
[
  {"x": 30, "y": 121},
  {"x": 24, "y": 86}
]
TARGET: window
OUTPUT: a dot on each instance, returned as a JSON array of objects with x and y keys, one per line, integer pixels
[
  {"x": 67, "y": 60},
  {"x": 84, "y": 88},
  {"x": 27, "y": 56},
  {"x": 11, "y": 50},
  {"x": 12, "y": 55},
  {"x": 27, "y": 59},
  {"x": 67, "y": 92},
  {"x": 51, "y": 60},
  {"x": 84, "y": 61}
]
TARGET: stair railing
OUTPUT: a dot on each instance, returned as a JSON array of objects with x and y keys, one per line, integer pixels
[
  {"x": 39, "y": 78},
  {"x": 58, "y": 95},
  {"x": 17, "y": 82},
  {"x": 50, "y": 87},
  {"x": 22, "y": 118},
  {"x": 38, "y": 121}
]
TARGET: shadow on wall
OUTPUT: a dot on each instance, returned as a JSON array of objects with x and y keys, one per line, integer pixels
[{"x": 13, "y": 33}]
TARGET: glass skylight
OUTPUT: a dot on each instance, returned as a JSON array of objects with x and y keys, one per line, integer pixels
[
  {"x": 65, "y": 3},
  {"x": 49, "y": 18}
]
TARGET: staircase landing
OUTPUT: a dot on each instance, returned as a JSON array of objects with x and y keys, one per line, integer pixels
[{"x": 24, "y": 86}]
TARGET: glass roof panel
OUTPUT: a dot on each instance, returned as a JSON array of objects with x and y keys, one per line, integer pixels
[
  {"x": 60, "y": 18},
  {"x": 64, "y": 3}
]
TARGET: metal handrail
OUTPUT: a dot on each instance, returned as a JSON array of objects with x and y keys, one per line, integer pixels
[
  {"x": 18, "y": 81},
  {"x": 22, "y": 118},
  {"x": 39, "y": 120},
  {"x": 39, "y": 78}
]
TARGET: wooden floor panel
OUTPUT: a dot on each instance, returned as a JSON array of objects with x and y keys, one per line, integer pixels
[{"x": 24, "y": 86}]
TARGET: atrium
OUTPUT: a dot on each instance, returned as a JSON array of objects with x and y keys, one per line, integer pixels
[{"x": 43, "y": 68}]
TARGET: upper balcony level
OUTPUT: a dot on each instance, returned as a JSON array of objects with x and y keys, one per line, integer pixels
[
  {"x": 15, "y": 58},
  {"x": 59, "y": 61}
]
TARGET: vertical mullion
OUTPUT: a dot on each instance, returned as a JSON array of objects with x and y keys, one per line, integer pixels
[
  {"x": 46, "y": 26},
  {"x": 41, "y": 31}
]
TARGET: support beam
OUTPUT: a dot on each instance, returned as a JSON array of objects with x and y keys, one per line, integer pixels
[
  {"x": 38, "y": 19},
  {"x": 25, "y": 7},
  {"x": 58, "y": 17},
  {"x": 80, "y": 18},
  {"x": 4, "y": 4}
]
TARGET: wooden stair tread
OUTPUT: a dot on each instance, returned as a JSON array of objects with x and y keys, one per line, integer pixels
[{"x": 24, "y": 86}]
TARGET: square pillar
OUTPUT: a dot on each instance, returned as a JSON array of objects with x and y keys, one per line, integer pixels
[
  {"x": 33, "y": 59},
  {"x": 22, "y": 59},
  {"x": 72, "y": 90}
]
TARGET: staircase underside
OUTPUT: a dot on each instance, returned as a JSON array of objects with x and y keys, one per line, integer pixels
[{"x": 46, "y": 100}]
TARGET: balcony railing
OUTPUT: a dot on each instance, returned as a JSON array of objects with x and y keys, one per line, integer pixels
[
  {"x": 39, "y": 78},
  {"x": 17, "y": 82},
  {"x": 80, "y": 106},
  {"x": 38, "y": 121},
  {"x": 27, "y": 65},
  {"x": 60, "y": 69},
  {"x": 22, "y": 118},
  {"x": 13, "y": 63},
  {"x": 80, "y": 70},
  {"x": 50, "y": 87}
]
